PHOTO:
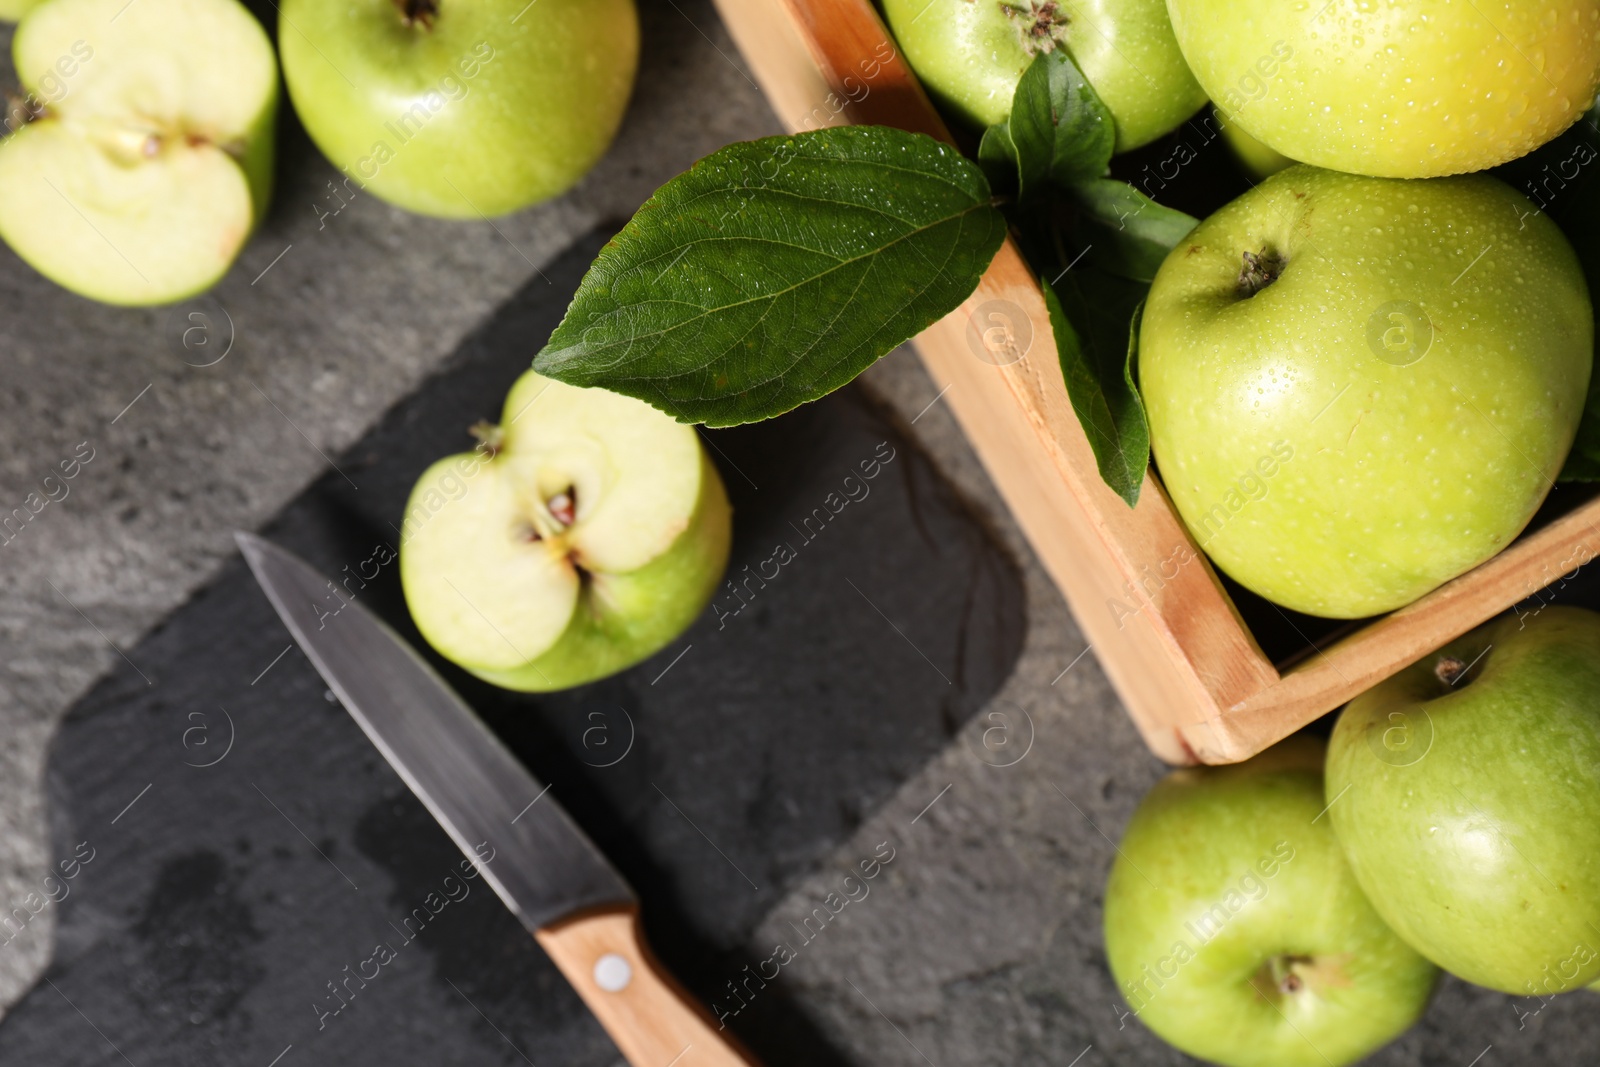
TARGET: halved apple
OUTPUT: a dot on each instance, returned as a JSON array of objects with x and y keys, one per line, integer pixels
[
  {"x": 12, "y": 10},
  {"x": 586, "y": 533},
  {"x": 147, "y": 157}
]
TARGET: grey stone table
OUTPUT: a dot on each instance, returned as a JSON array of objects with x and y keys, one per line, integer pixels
[{"x": 983, "y": 945}]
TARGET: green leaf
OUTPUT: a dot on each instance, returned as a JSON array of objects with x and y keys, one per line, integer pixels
[
  {"x": 1130, "y": 234},
  {"x": 1061, "y": 131},
  {"x": 1095, "y": 318},
  {"x": 772, "y": 272},
  {"x": 998, "y": 158},
  {"x": 1583, "y": 462},
  {"x": 1582, "y": 465}
]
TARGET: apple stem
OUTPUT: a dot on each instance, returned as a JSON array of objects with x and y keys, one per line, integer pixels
[
  {"x": 1449, "y": 670},
  {"x": 415, "y": 11},
  {"x": 21, "y": 110},
  {"x": 1281, "y": 974},
  {"x": 1260, "y": 269},
  {"x": 490, "y": 437},
  {"x": 1042, "y": 25}
]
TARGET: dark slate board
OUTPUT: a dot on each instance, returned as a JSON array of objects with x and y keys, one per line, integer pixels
[{"x": 219, "y": 906}]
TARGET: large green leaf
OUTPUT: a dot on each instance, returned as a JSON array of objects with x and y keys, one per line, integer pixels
[
  {"x": 774, "y": 271},
  {"x": 1095, "y": 318}
]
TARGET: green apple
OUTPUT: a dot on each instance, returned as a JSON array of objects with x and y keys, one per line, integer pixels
[
  {"x": 585, "y": 534},
  {"x": 1359, "y": 388},
  {"x": 971, "y": 53},
  {"x": 1402, "y": 89},
  {"x": 461, "y": 108},
  {"x": 1256, "y": 158},
  {"x": 147, "y": 157},
  {"x": 1236, "y": 931},
  {"x": 1466, "y": 793}
]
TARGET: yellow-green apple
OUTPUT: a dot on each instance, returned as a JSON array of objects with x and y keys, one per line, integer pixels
[
  {"x": 1236, "y": 931},
  {"x": 1359, "y": 388},
  {"x": 1466, "y": 793},
  {"x": 587, "y": 532},
  {"x": 147, "y": 160},
  {"x": 1256, "y": 158},
  {"x": 461, "y": 108},
  {"x": 971, "y": 53},
  {"x": 1402, "y": 89}
]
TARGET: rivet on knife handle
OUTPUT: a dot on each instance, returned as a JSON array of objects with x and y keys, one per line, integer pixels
[{"x": 652, "y": 1020}]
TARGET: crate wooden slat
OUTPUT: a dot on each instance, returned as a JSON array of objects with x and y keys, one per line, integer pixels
[{"x": 1166, "y": 632}]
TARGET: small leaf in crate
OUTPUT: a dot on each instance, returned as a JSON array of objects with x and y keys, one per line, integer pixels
[
  {"x": 1583, "y": 462},
  {"x": 774, "y": 271},
  {"x": 1129, "y": 234},
  {"x": 1095, "y": 318},
  {"x": 1061, "y": 131},
  {"x": 1581, "y": 466},
  {"x": 998, "y": 158}
]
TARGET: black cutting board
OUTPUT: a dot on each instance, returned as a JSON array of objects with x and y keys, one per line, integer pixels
[{"x": 248, "y": 845}]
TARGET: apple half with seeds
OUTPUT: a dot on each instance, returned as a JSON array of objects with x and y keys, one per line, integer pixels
[
  {"x": 146, "y": 157},
  {"x": 586, "y": 532}
]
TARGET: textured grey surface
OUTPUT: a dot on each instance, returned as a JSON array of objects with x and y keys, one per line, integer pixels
[
  {"x": 360, "y": 306},
  {"x": 980, "y": 946}
]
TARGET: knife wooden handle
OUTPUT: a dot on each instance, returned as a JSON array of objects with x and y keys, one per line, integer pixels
[{"x": 651, "y": 1018}]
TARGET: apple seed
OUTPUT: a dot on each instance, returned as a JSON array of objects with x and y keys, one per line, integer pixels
[{"x": 564, "y": 506}]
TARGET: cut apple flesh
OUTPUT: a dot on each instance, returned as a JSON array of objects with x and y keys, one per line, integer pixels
[
  {"x": 202, "y": 68},
  {"x": 512, "y": 596},
  {"x": 129, "y": 187},
  {"x": 498, "y": 553},
  {"x": 124, "y": 233}
]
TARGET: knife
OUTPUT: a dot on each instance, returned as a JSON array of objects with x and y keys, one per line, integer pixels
[{"x": 546, "y": 871}]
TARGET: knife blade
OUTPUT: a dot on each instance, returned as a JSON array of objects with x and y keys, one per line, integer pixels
[{"x": 551, "y": 876}]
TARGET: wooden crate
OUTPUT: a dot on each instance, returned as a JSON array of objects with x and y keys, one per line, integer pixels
[{"x": 1190, "y": 672}]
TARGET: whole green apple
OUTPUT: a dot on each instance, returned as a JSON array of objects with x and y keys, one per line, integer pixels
[
  {"x": 143, "y": 158},
  {"x": 1402, "y": 89},
  {"x": 971, "y": 53},
  {"x": 1466, "y": 793},
  {"x": 461, "y": 108},
  {"x": 1234, "y": 927},
  {"x": 1359, "y": 388},
  {"x": 585, "y": 534}
]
